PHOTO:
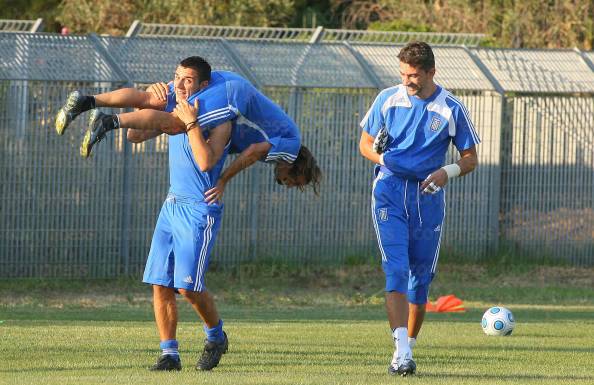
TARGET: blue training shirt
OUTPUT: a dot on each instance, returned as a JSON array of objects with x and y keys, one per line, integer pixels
[
  {"x": 185, "y": 177},
  {"x": 257, "y": 118},
  {"x": 420, "y": 130}
]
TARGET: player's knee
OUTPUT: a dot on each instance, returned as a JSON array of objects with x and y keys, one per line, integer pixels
[
  {"x": 418, "y": 288},
  {"x": 186, "y": 293},
  {"x": 397, "y": 281},
  {"x": 417, "y": 297},
  {"x": 159, "y": 289},
  {"x": 193, "y": 296},
  {"x": 418, "y": 300},
  {"x": 163, "y": 294}
]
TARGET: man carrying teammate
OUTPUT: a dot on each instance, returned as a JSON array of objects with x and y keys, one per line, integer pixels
[
  {"x": 406, "y": 133},
  {"x": 261, "y": 129},
  {"x": 187, "y": 226},
  {"x": 176, "y": 262}
]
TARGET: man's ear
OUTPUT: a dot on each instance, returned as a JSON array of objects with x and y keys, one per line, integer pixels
[{"x": 203, "y": 84}]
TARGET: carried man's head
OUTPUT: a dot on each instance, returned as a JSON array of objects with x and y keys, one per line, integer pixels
[
  {"x": 417, "y": 68},
  {"x": 303, "y": 171},
  {"x": 191, "y": 75}
]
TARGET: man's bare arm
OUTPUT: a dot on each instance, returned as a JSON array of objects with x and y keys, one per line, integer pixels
[
  {"x": 468, "y": 160},
  {"x": 206, "y": 153},
  {"x": 248, "y": 157},
  {"x": 467, "y": 163},
  {"x": 366, "y": 148}
]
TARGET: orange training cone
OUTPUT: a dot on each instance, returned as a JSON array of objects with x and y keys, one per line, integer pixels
[{"x": 444, "y": 304}]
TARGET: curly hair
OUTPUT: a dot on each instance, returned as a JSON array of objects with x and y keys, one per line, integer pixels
[
  {"x": 418, "y": 54},
  {"x": 306, "y": 165}
]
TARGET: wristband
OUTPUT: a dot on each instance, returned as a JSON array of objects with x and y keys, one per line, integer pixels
[
  {"x": 453, "y": 170},
  {"x": 189, "y": 125}
]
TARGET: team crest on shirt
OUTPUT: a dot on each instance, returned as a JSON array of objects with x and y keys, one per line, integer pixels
[
  {"x": 383, "y": 214},
  {"x": 435, "y": 124}
]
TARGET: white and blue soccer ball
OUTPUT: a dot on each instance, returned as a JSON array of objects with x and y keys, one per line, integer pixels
[{"x": 498, "y": 321}]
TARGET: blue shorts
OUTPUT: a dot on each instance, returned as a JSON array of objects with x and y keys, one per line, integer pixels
[
  {"x": 180, "y": 250},
  {"x": 408, "y": 225}
]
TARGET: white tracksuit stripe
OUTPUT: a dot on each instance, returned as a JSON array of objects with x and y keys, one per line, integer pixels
[
  {"x": 436, "y": 256},
  {"x": 375, "y": 224},
  {"x": 207, "y": 234}
]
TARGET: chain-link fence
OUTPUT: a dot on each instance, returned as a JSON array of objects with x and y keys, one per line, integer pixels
[{"x": 64, "y": 216}]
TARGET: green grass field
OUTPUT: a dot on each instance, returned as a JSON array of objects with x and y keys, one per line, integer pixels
[{"x": 295, "y": 328}]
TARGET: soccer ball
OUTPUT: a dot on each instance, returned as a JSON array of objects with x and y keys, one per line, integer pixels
[{"x": 498, "y": 321}]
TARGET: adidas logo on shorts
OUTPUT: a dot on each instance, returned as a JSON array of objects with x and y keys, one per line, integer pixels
[{"x": 188, "y": 279}]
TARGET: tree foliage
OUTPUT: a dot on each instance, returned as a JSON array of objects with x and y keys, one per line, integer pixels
[
  {"x": 30, "y": 10},
  {"x": 507, "y": 23},
  {"x": 115, "y": 16}
]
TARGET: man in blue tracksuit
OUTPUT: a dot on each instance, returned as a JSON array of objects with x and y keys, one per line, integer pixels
[
  {"x": 187, "y": 225},
  {"x": 211, "y": 114},
  {"x": 406, "y": 133}
]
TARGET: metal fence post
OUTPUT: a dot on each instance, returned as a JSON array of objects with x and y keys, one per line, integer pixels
[
  {"x": 127, "y": 201},
  {"x": 134, "y": 28},
  {"x": 21, "y": 105},
  {"x": 126, "y": 213},
  {"x": 37, "y": 26},
  {"x": 497, "y": 188},
  {"x": 505, "y": 162},
  {"x": 584, "y": 58},
  {"x": 317, "y": 35},
  {"x": 236, "y": 59},
  {"x": 371, "y": 75}
]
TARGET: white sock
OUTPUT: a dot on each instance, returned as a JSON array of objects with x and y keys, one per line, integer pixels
[
  {"x": 412, "y": 341},
  {"x": 401, "y": 342}
]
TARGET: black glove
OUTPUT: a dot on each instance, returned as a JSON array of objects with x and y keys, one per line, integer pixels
[{"x": 381, "y": 141}]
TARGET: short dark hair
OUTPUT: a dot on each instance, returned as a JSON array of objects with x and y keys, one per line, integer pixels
[
  {"x": 418, "y": 54},
  {"x": 306, "y": 165},
  {"x": 198, "y": 64}
]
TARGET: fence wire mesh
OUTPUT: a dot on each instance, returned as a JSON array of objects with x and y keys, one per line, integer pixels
[
  {"x": 62, "y": 216},
  {"x": 550, "y": 71},
  {"x": 49, "y": 57}
]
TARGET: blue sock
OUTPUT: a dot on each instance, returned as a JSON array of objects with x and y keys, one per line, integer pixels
[
  {"x": 215, "y": 334},
  {"x": 169, "y": 347}
]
